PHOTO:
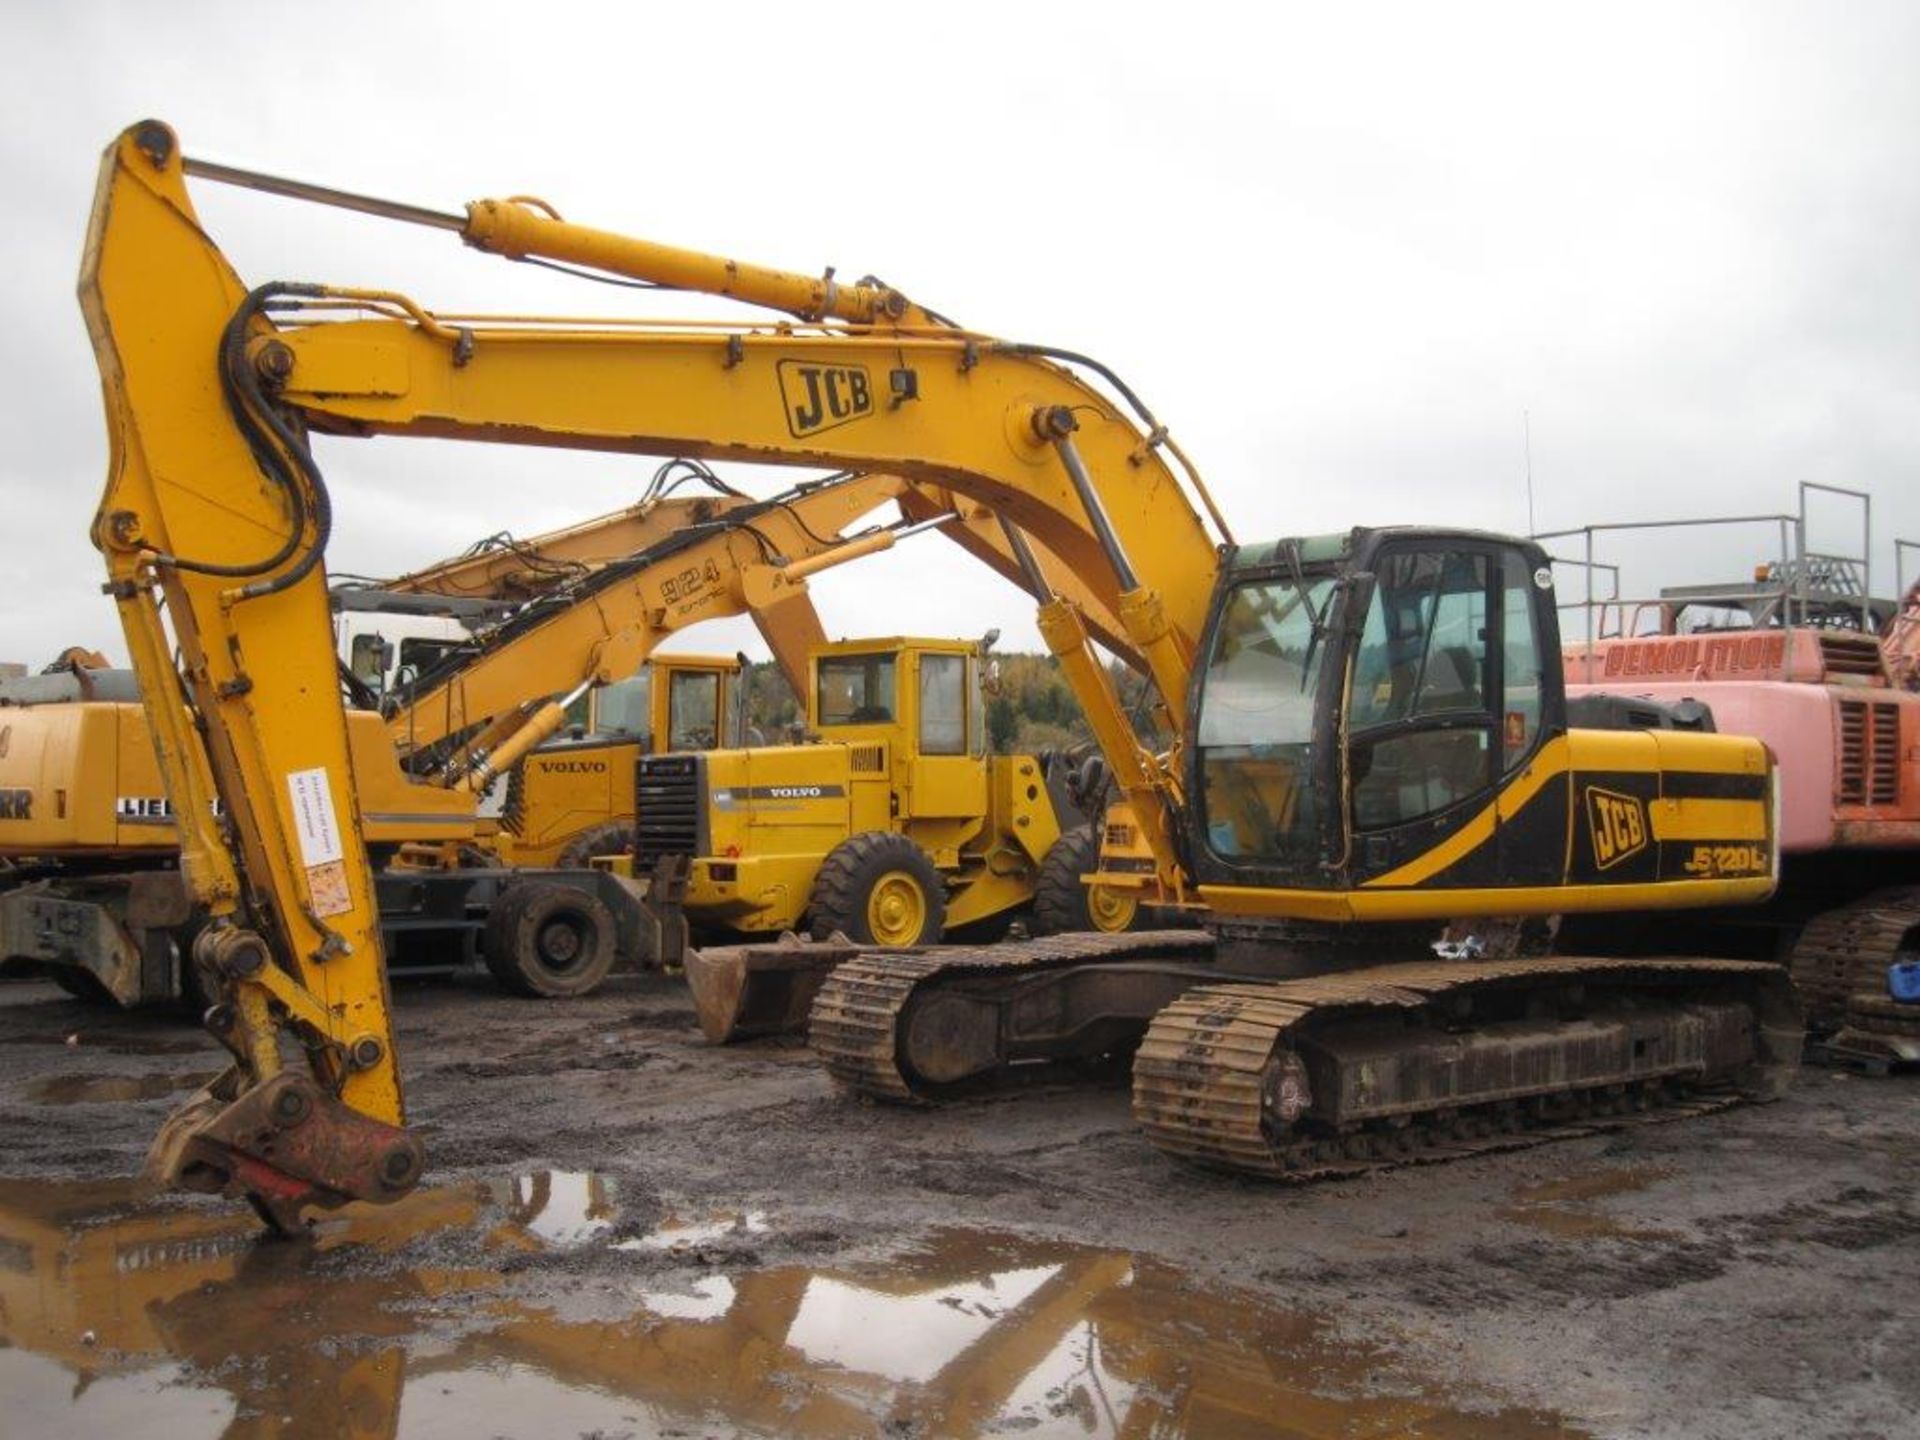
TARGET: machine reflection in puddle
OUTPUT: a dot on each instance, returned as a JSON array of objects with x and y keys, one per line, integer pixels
[{"x": 119, "y": 1312}]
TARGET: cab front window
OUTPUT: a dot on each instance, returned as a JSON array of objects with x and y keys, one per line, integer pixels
[
  {"x": 855, "y": 690},
  {"x": 623, "y": 708},
  {"x": 1255, "y": 734}
]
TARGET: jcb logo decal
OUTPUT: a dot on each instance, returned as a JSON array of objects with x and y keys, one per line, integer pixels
[
  {"x": 16, "y": 804},
  {"x": 1618, "y": 824},
  {"x": 819, "y": 397}
]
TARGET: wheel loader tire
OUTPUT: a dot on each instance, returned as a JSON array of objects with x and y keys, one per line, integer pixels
[
  {"x": 879, "y": 889},
  {"x": 1061, "y": 903},
  {"x": 549, "y": 941},
  {"x": 613, "y": 838}
]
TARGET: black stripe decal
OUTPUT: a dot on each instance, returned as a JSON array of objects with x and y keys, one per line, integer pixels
[{"x": 1703, "y": 785}]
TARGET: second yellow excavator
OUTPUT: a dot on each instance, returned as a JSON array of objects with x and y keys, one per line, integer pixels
[{"x": 1371, "y": 731}]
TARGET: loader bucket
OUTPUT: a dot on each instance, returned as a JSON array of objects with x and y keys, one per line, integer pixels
[{"x": 742, "y": 991}]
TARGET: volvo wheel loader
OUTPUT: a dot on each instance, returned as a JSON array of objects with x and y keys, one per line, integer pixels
[
  {"x": 1371, "y": 735},
  {"x": 893, "y": 826}
]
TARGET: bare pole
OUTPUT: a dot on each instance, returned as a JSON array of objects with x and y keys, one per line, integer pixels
[{"x": 1526, "y": 431}]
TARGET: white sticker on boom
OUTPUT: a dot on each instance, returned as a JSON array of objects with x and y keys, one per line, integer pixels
[{"x": 313, "y": 818}]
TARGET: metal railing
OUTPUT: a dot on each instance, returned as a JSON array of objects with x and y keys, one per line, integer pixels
[{"x": 1800, "y": 588}]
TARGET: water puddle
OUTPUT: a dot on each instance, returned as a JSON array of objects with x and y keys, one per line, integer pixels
[
  {"x": 112, "y": 1089},
  {"x": 1564, "y": 1208},
  {"x": 116, "y": 1044},
  {"x": 123, "y": 1314},
  {"x": 678, "y": 1234}
]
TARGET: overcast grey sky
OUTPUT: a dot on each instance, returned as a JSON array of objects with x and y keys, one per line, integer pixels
[{"x": 1341, "y": 249}]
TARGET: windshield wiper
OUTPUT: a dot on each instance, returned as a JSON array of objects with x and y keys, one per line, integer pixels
[{"x": 1316, "y": 614}]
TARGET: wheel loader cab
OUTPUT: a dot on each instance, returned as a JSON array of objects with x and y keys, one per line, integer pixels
[
  {"x": 689, "y": 701},
  {"x": 1364, "y": 699},
  {"x": 572, "y": 798},
  {"x": 919, "y": 698}
]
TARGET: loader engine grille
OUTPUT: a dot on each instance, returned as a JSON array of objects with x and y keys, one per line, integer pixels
[
  {"x": 513, "y": 813},
  {"x": 1869, "y": 753},
  {"x": 670, "y": 808}
]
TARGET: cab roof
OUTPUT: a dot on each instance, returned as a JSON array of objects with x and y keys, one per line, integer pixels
[{"x": 893, "y": 644}]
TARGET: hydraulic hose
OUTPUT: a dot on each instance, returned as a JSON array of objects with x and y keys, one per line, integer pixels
[{"x": 271, "y": 441}]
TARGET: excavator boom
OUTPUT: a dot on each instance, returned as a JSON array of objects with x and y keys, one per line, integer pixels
[{"x": 504, "y": 567}]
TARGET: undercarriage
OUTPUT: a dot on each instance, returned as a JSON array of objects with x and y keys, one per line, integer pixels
[{"x": 1301, "y": 1078}]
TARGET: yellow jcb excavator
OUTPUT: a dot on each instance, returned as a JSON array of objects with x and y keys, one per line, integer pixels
[{"x": 1372, "y": 734}]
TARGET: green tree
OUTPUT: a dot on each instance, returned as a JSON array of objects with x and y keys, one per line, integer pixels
[{"x": 1003, "y": 724}]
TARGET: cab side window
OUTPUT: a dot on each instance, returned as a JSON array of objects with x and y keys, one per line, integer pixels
[
  {"x": 693, "y": 712},
  {"x": 1520, "y": 664},
  {"x": 1421, "y": 709},
  {"x": 622, "y": 707},
  {"x": 943, "y": 705},
  {"x": 367, "y": 658}
]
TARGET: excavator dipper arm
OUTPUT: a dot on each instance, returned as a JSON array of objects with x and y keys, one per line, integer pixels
[{"x": 205, "y": 516}]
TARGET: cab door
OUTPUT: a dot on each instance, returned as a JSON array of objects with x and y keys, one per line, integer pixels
[
  {"x": 949, "y": 772},
  {"x": 1443, "y": 706}
]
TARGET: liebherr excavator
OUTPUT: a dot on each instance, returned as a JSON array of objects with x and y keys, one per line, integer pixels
[{"x": 1371, "y": 734}]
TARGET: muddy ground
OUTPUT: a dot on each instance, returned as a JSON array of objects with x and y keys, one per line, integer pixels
[{"x": 1752, "y": 1273}]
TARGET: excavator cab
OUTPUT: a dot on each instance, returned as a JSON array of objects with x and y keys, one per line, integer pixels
[
  {"x": 1381, "y": 733},
  {"x": 1364, "y": 698}
]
